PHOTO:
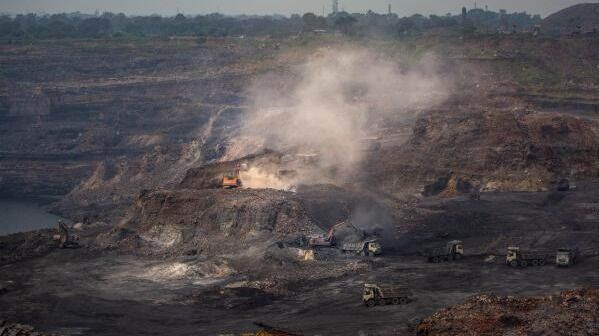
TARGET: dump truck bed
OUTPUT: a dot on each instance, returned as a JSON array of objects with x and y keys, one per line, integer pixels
[
  {"x": 353, "y": 246},
  {"x": 533, "y": 255},
  {"x": 394, "y": 291},
  {"x": 437, "y": 251}
]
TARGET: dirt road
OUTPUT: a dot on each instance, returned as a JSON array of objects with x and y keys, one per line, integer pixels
[{"x": 68, "y": 292}]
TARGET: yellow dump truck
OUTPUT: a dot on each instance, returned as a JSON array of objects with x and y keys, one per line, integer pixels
[
  {"x": 367, "y": 247},
  {"x": 385, "y": 294},
  {"x": 516, "y": 257},
  {"x": 453, "y": 250},
  {"x": 566, "y": 257}
]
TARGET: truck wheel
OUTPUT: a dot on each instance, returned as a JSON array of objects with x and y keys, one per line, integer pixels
[
  {"x": 436, "y": 259},
  {"x": 514, "y": 263},
  {"x": 535, "y": 262},
  {"x": 370, "y": 303},
  {"x": 395, "y": 301},
  {"x": 403, "y": 300},
  {"x": 523, "y": 263},
  {"x": 457, "y": 256},
  {"x": 542, "y": 262}
]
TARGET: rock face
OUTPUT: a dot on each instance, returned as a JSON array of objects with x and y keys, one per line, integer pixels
[{"x": 569, "y": 313}]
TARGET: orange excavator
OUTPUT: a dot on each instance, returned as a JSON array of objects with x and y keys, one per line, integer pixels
[{"x": 327, "y": 240}]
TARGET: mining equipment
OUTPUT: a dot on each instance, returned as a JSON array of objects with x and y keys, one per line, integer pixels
[
  {"x": 65, "y": 240},
  {"x": 370, "y": 248},
  {"x": 453, "y": 250},
  {"x": 232, "y": 179},
  {"x": 327, "y": 240},
  {"x": 385, "y": 294},
  {"x": 566, "y": 257},
  {"x": 516, "y": 257},
  {"x": 563, "y": 185}
]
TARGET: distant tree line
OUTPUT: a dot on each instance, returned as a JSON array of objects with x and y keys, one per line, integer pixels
[{"x": 108, "y": 25}]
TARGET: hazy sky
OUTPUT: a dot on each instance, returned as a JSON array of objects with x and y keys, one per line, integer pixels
[{"x": 401, "y": 7}]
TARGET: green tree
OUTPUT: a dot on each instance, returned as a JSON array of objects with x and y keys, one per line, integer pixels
[
  {"x": 310, "y": 21},
  {"x": 94, "y": 28},
  {"x": 345, "y": 23}
]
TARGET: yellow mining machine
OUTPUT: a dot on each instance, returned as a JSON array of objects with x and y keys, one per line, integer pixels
[{"x": 232, "y": 179}]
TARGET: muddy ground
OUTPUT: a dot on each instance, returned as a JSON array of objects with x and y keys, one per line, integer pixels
[{"x": 75, "y": 292}]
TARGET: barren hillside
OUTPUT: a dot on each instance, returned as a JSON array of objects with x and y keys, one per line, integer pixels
[{"x": 582, "y": 18}]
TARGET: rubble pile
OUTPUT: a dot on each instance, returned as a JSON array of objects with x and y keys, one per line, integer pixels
[
  {"x": 571, "y": 312},
  {"x": 23, "y": 245},
  {"x": 522, "y": 150},
  {"x": 8, "y": 328}
]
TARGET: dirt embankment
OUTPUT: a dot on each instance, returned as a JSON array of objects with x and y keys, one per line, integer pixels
[
  {"x": 568, "y": 313},
  {"x": 208, "y": 222},
  {"x": 489, "y": 148}
]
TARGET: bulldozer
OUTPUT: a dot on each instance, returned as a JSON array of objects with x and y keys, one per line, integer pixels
[
  {"x": 453, "y": 250},
  {"x": 232, "y": 179},
  {"x": 65, "y": 240}
]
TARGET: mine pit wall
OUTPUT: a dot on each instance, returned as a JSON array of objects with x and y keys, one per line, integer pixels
[
  {"x": 40, "y": 177},
  {"x": 77, "y": 137},
  {"x": 107, "y": 106}
]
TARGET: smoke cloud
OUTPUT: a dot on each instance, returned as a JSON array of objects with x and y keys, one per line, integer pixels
[{"x": 325, "y": 108}]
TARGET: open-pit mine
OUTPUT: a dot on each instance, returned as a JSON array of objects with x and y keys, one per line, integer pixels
[{"x": 327, "y": 182}]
